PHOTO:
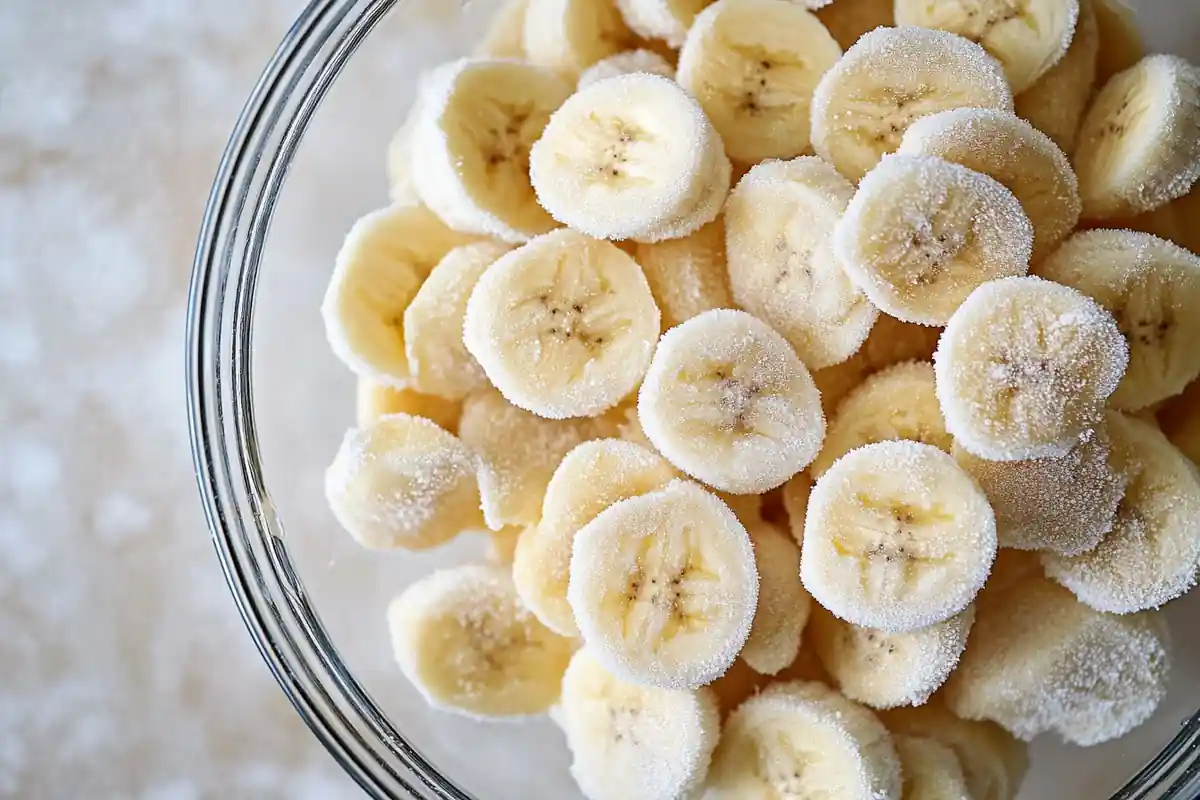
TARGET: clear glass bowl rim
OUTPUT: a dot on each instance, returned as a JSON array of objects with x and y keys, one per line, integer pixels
[{"x": 246, "y": 530}]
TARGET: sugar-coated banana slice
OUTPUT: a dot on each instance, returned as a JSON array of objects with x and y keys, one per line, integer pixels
[
  {"x": 571, "y": 35},
  {"x": 1152, "y": 554},
  {"x": 628, "y": 740},
  {"x": 1024, "y": 368},
  {"x": 1138, "y": 145},
  {"x": 467, "y": 644},
  {"x": 783, "y": 605},
  {"x": 848, "y": 20},
  {"x": 668, "y": 20},
  {"x": 505, "y": 36},
  {"x": 889, "y": 78},
  {"x": 629, "y": 158},
  {"x": 625, "y": 63},
  {"x": 588, "y": 480},
  {"x": 401, "y": 481},
  {"x": 373, "y": 401},
  {"x": 805, "y": 741},
  {"x": 1040, "y": 661},
  {"x": 664, "y": 587},
  {"x": 727, "y": 401},
  {"x": 687, "y": 276},
  {"x": 1121, "y": 43},
  {"x": 795, "y": 502},
  {"x": 753, "y": 65},
  {"x": 922, "y": 233},
  {"x": 564, "y": 326},
  {"x": 897, "y": 537},
  {"x": 779, "y": 224},
  {"x": 1180, "y": 421},
  {"x": 931, "y": 770}
]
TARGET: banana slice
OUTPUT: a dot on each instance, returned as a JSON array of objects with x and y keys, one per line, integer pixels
[
  {"x": 664, "y": 587},
  {"x": 502, "y": 544},
  {"x": 779, "y": 224},
  {"x": 1120, "y": 38},
  {"x": 668, "y": 20},
  {"x": 687, "y": 276},
  {"x": 931, "y": 770},
  {"x": 1138, "y": 147},
  {"x": 564, "y": 326},
  {"x": 1152, "y": 554},
  {"x": 889, "y": 78},
  {"x": 462, "y": 638},
  {"x": 753, "y": 65},
  {"x": 805, "y": 741},
  {"x": 637, "y": 741},
  {"x": 848, "y": 20},
  {"x": 505, "y": 37},
  {"x": 625, "y": 63},
  {"x": 588, "y": 480},
  {"x": 1040, "y": 661},
  {"x": 727, "y": 401},
  {"x": 1180, "y": 420},
  {"x": 896, "y": 537},
  {"x": 571, "y": 35},
  {"x": 470, "y": 151},
  {"x": 402, "y": 481},
  {"x": 795, "y": 501},
  {"x": 922, "y": 233},
  {"x": 373, "y": 401},
  {"x": 1152, "y": 287},
  {"x": 378, "y": 271},
  {"x": 899, "y": 402},
  {"x": 783, "y": 605},
  {"x": 438, "y": 360},
  {"x": 1024, "y": 368}
]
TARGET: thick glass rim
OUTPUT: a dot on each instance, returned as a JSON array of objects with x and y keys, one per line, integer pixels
[{"x": 244, "y": 526}]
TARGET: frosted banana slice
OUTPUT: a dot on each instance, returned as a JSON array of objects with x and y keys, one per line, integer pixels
[
  {"x": 889, "y": 78},
  {"x": 896, "y": 537},
  {"x": 664, "y": 587},
  {"x": 402, "y": 481},
  {"x": 1138, "y": 147},
  {"x": 478, "y": 119},
  {"x": 588, "y": 480},
  {"x": 465, "y": 642},
  {"x": 564, "y": 326},
  {"x": 753, "y": 65},
  {"x": 637, "y": 741},
  {"x": 571, "y": 35},
  {"x": 373, "y": 401},
  {"x": 804, "y": 741},
  {"x": 795, "y": 502},
  {"x": 687, "y": 276},
  {"x": 626, "y": 63},
  {"x": 779, "y": 224},
  {"x": 1024, "y": 368},
  {"x": 848, "y": 20},
  {"x": 1121, "y": 43},
  {"x": 1152, "y": 554},
  {"x": 931, "y": 770},
  {"x": 505, "y": 37},
  {"x": 922, "y": 233},
  {"x": 1040, "y": 661},
  {"x": 727, "y": 401},
  {"x": 783, "y": 605},
  {"x": 668, "y": 20},
  {"x": 1152, "y": 287}
]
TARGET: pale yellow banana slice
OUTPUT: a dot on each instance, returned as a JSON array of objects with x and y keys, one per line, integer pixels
[
  {"x": 1180, "y": 420},
  {"x": 1120, "y": 39},
  {"x": 753, "y": 65},
  {"x": 779, "y": 224},
  {"x": 803, "y": 741},
  {"x": 922, "y": 233},
  {"x": 896, "y": 537},
  {"x": 373, "y": 401},
  {"x": 931, "y": 770},
  {"x": 505, "y": 36},
  {"x": 1024, "y": 368},
  {"x": 848, "y": 20},
  {"x": 626, "y": 63},
  {"x": 687, "y": 276},
  {"x": 402, "y": 481},
  {"x": 795, "y": 502},
  {"x": 668, "y": 20},
  {"x": 571, "y": 35},
  {"x": 889, "y": 78},
  {"x": 783, "y": 605},
  {"x": 588, "y": 480},
  {"x": 477, "y": 120},
  {"x": 664, "y": 587},
  {"x": 564, "y": 326},
  {"x": 727, "y": 401},
  {"x": 465, "y": 642}
]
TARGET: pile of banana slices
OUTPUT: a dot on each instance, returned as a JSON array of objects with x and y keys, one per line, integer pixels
[{"x": 825, "y": 374}]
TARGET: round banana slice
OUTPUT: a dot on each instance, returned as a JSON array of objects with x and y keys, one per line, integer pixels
[
  {"x": 795, "y": 502},
  {"x": 896, "y": 537},
  {"x": 1180, "y": 420},
  {"x": 885, "y": 670},
  {"x": 637, "y": 741},
  {"x": 805, "y": 741},
  {"x": 505, "y": 37},
  {"x": 1040, "y": 661},
  {"x": 1009, "y": 149},
  {"x": 889, "y": 78},
  {"x": 783, "y": 605},
  {"x": 753, "y": 65},
  {"x": 1152, "y": 554},
  {"x": 922, "y": 233},
  {"x": 1121, "y": 43},
  {"x": 668, "y": 20},
  {"x": 564, "y": 326},
  {"x": 931, "y": 770},
  {"x": 571, "y": 35},
  {"x": 1138, "y": 147},
  {"x": 779, "y": 224},
  {"x": 664, "y": 587},
  {"x": 470, "y": 151},
  {"x": 1024, "y": 368},
  {"x": 628, "y": 156},
  {"x": 402, "y": 481},
  {"x": 899, "y": 402},
  {"x": 687, "y": 276},
  {"x": 465, "y": 642},
  {"x": 373, "y": 401},
  {"x": 588, "y": 480},
  {"x": 848, "y": 20},
  {"x": 727, "y": 401},
  {"x": 626, "y": 63},
  {"x": 1152, "y": 287}
]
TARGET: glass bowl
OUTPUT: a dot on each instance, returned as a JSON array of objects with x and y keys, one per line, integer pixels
[{"x": 268, "y": 404}]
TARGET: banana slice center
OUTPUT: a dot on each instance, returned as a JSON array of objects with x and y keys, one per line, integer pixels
[
  {"x": 617, "y": 152},
  {"x": 508, "y": 133},
  {"x": 666, "y": 591},
  {"x": 736, "y": 400},
  {"x": 497, "y": 645},
  {"x": 983, "y": 18},
  {"x": 890, "y": 542}
]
